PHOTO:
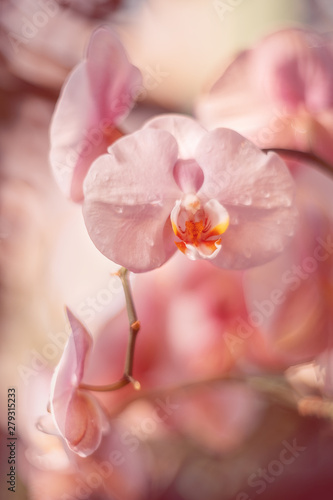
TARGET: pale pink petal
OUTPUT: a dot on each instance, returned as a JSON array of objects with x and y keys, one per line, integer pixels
[
  {"x": 95, "y": 144},
  {"x": 69, "y": 371},
  {"x": 84, "y": 424},
  {"x": 294, "y": 67},
  {"x": 256, "y": 190},
  {"x": 188, "y": 175},
  {"x": 114, "y": 82},
  {"x": 70, "y": 123},
  {"x": 98, "y": 93},
  {"x": 77, "y": 415},
  {"x": 185, "y": 130},
  {"x": 235, "y": 102},
  {"x": 129, "y": 194}
]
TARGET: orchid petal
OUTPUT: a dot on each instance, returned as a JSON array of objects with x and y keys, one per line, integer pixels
[
  {"x": 188, "y": 175},
  {"x": 69, "y": 371},
  {"x": 228, "y": 104},
  {"x": 97, "y": 94},
  {"x": 129, "y": 194},
  {"x": 185, "y": 130},
  {"x": 294, "y": 67},
  {"x": 77, "y": 415},
  {"x": 113, "y": 80},
  {"x": 84, "y": 425},
  {"x": 256, "y": 190},
  {"x": 270, "y": 93}
]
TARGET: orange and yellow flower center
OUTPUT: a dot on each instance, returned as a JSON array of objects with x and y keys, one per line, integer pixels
[{"x": 199, "y": 227}]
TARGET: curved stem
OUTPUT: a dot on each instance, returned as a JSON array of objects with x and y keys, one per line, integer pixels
[
  {"x": 273, "y": 387},
  {"x": 134, "y": 324},
  {"x": 303, "y": 156}
]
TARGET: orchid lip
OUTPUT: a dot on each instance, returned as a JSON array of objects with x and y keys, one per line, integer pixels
[{"x": 199, "y": 226}]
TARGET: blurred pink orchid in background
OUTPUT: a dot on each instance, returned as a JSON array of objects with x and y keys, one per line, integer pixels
[
  {"x": 78, "y": 416},
  {"x": 298, "y": 327},
  {"x": 226, "y": 386},
  {"x": 98, "y": 94},
  {"x": 215, "y": 191},
  {"x": 278, "y": 94}
]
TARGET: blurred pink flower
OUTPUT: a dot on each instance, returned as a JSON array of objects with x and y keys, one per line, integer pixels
[
  {"x": 172, "y": 184},
  {"x": 98, "y": 94},
  {"x": 78, "y": 416},
  {"x": 217, "y": 417},
  {"x": 290, "y": 299},
  {"x": 279, "y": 94}
]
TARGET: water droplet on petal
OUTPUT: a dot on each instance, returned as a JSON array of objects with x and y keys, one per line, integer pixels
[
  {"x": 245, "y": 199},
  {"x": 265, "y": 193},
  {"x": 150, "y": 242},
  {"x": 118, "y": 209},
  {"x": 155, "y": 201},
  {"x": 234, "y": 220},
  {"x": 285, "y": 201}
]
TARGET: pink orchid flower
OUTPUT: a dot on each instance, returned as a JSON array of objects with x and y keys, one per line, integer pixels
[
  {"x": 98, "y": 94},
  {"x": 76, "y": 413},
  {"x": 278, "y": 94},
  {"x": 297, "y": 327},
  {"x": 213, "y": 195}
]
